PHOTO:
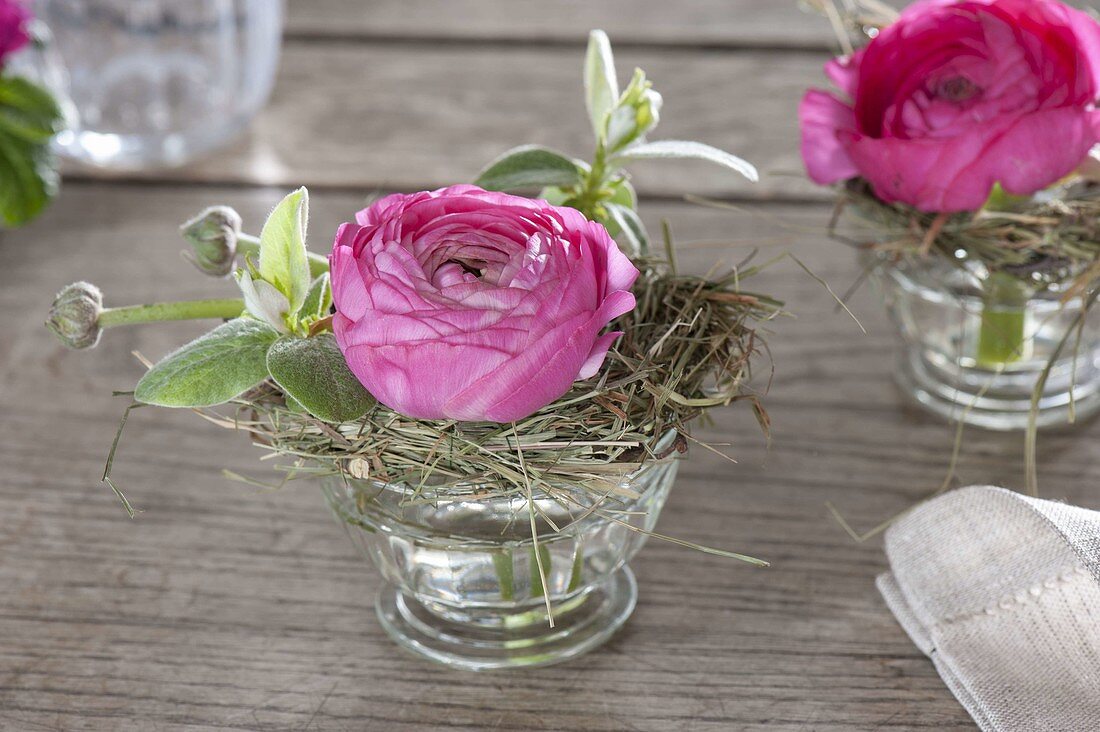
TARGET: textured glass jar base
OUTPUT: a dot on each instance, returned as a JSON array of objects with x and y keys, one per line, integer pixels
[
  {"x": 966, "y": 359},
  {"x": 987, "y": 406},
  {"x": 484, "y": 639},
  {"x": 467, "y": 585}
]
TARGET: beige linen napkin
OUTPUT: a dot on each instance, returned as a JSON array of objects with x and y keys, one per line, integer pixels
[{"x": 1002, "y": 592}]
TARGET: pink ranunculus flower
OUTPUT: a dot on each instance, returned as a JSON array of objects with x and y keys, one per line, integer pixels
[
  {"x": 13, "y": 32},
  {"x": 956, "y": 96},
  {"x": 470, "y": 305}
]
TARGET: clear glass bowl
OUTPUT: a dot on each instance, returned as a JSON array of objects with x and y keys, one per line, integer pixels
[
  {"x": 152, "y": 83},
  {"x": 948, "y": 328},
  {"x": 463, "y": 585}
]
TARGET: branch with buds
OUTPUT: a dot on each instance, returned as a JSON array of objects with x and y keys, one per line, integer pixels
[
  {"x": 601, "y": 189},
  {"x": 278, "y": 329},
  {"x": 78, "y": 317}
]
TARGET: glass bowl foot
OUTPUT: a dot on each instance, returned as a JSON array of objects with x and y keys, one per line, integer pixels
[
  {"x": 482, "y": 639},
  {"x": 991, "y": 401}
]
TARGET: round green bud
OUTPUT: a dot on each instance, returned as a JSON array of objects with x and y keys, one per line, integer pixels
[
  {"x": 74, "y": 315},
  {"x": 213, "y": 238}
]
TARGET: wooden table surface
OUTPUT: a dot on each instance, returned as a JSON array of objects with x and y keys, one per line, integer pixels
[{"x": 228, "y": 607}]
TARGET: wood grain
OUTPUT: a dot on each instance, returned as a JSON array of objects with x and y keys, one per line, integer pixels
[
  {"x": 227, "y": 607},
  {"x": 695, "y": 24},
  {"x": 361, "y": 117}
]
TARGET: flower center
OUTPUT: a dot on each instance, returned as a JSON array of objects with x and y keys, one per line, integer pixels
[
  {"x": 958, "y": 89},
  {"x": 475, "y": 267}
]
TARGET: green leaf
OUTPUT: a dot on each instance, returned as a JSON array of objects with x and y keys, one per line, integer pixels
[
  {"x": 685, "y": 149},
  {"x": 315, "y": 374},
  {"x": 29, "y": 117},
  {"x": 28, "y": 180},
  {"x": 27, "y": 111},
  {"x": 1001, "y": 200},
  {"x": 624, "y": 194},
  {"x": 212, "y": 369},
  {"x": 632, "y": 236},
  {"x": 529, "y": 166},
  {"x": 636, "y": 113},
  {"x": 556, "y": 196},
  {"x": 601, "y": 87},
  {"x": 318, "y": 299},
  {"x": 283, "y": 259}
]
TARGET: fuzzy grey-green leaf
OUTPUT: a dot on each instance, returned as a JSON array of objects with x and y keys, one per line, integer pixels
[
  {"x": 212, "y": 369},
  {"x": 601, "y": 86},
  {"x": 283, "y": 259},
  {"x": 686, "y": 149},
  {"x": 624, "y": 194},
  {"x": 631, "y": 237},
  {"x": 529, "y": 166},
  {"x": 313, "y": 372},
  {"x": 556, "y": 196},
  {"x": 319, "y": 298}
]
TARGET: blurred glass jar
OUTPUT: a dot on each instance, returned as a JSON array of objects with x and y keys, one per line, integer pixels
[
  {"x": 153, "y": 83},
  {"x": 976, "y": 358}
]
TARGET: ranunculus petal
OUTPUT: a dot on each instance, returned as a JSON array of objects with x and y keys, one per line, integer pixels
[
  {"x": 621, "y": 272},
  {"x": 824, "y": 119},
  {"x": 957, "y": 174},
  {"x": 844, "y": 72},
  {"x": 1042, "y": 148},
  {"x": 616, "y": 304},
  {"x": 598, "y": 354},
  {"x": 417, "y": 379},
  {"x": 931, "y": 175},
  {"x": 532, "y": 379},
  {"x": 349, "y": 291}
]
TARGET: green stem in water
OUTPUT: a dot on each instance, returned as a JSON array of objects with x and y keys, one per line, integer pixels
[
  {"x": 541, "y": 560},
  {"x": 162, "y": 311},
  {"x": 249, "y": 246},
  {"x": 502, "y": 563},
  {"x": 1002, "y": 338}
]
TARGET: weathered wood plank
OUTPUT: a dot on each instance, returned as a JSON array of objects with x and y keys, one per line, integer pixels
[
  {"x": 224, "y": 606},
  {"x": 363, "y": 117},
  {"x": 711, "y": 23}
]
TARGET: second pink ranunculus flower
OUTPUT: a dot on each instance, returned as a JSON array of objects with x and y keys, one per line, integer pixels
[
  {"x": 470, "y": 305},
  {"x": 955, "y": 97},
  {"x": 13, "y": 33}
]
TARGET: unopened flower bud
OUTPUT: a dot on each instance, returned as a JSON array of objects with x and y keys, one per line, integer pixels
[
  {"x": 213, "y": 238},
  {"x": 637, "y": 112},
  {"x": 263, "y": 301},
  {"x": 74, "y": 315}
]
